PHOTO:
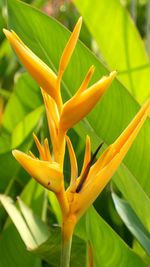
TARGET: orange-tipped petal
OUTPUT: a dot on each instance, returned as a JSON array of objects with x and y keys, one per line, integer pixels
[
  {"x": 45, "y": 173},
  {"x": 43, "y": 75},
  {"x": 102, "y": 171},
  {"x": 78, "y": 107},
  {"x": 69, "y": 48},
  {"x": 74, "y": 166}
]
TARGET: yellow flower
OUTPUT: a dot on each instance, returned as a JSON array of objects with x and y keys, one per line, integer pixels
[
  {"x": 93, "y": 178},
  {"x": 48, "y": 170}
]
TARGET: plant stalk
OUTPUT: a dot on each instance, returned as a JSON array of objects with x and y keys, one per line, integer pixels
[
  {"x": 67, "y": 233},
  {"x": 65, "y": 251}
]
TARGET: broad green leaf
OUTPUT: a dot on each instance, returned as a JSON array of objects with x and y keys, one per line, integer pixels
[
  {"x": 140, "y": 251},
  {"x": 33, "y": 195},
  {"x": 9, "y": 166},
  {"x": 18, "y": 221},
  {"x": 24, "y": 128},
  {"x": 36, "y": 198},
  {"x": 13, "y": 252},
  {"x": 107, "y": 247},
  {"x": 22, "y": 114},
  {"x": 51, "y": 249},
  {"x": 55, "y": 206},
  {"x": 132, "y": 222},
  {"x": 25, "y": 98},
  {"x": 34, "y": 232},
  {"x": 38, "y": 229},
  {"x": 134, "y": 193},
  {"x": 119, "y": 42}
]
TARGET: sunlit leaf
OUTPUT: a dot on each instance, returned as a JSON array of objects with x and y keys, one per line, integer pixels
[
  {"x": 119, "y": 42},
  {"x": 107, "y": 247}
]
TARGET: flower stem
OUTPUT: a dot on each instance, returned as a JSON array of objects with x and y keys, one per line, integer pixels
[
  {"x": 65, "y": 251},
  {"x": 68, "y": 225}
]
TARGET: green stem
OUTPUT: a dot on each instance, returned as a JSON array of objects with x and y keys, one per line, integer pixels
[{"x": 65, "y": 251}]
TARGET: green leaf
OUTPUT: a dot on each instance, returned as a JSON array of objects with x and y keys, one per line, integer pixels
[
  {"x": 107, "y": 247},
  {"x": 13, "y": 252},
  {"x": 51, "y": 249},
  {"x": 25, "y": 127},
  {"x": 18, "y": 221},
  {"x": 119, "y": 42},
  {"x": 25, "y": 98},
  {"x": 130, "y": 189},
  {"x": 36, "y": 198},
  {"x": 38, "y": 229},
  {"x": 35, "y": 234},
  {"x": 55, "y": 206},
  {"x": 22, "y": 114},
  {"x": 9, "y": 166},
  {"x": 132, "y": 222}
]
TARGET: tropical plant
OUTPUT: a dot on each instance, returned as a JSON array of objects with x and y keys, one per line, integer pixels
[{"x": 56, "y": 206}]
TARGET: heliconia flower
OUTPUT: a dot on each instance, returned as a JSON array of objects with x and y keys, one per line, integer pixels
[
  {"x": 60, "y": 117},
  {"x": 46, "y": 173},
  {"x": 50, "y": 82}
]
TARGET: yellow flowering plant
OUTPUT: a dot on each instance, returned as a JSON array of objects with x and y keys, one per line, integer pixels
[
  {"x": 48, "y": 169},
  {"x": 32, "y": 41}
]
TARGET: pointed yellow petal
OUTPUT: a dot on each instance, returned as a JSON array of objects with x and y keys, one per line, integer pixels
[
  {"x": 47, "y": 151},
  {"x": 78, "y": 107},
  {"x": 102, "y": 171},
  {"x": 53, "y": 121},
  {"x": 86, "y": 81},
  {"x": 45, "y": 173},
  {"x": 74, "y": 166},
  {"x": 57, "y": 137},
  {"x": 39, "y": 146},
  {"x": 69, "y": 48},
  {"x": 51, "y": 109},
  {"x": 87, "y": 154},
  {"x": 86, "y": 166},
  {"x": 43, "y": 75}
]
